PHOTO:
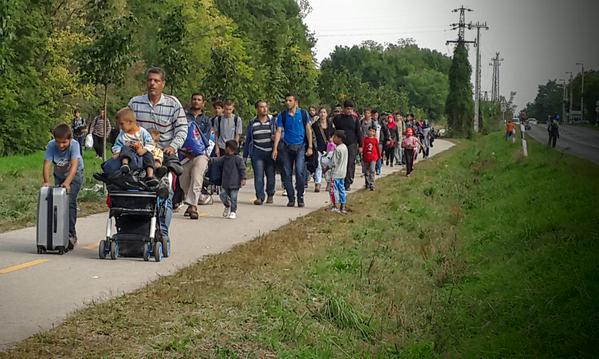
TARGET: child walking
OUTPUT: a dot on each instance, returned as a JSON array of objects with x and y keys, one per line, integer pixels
[
  {"x": 371, "y": 155},
  {"x": 133, "y": 144},
  {"x": 340, "y": 157},
  {"x": 63, "y": 152},
  {"x": 233, "y": 176},
  {"x": 410, "y": 145}
]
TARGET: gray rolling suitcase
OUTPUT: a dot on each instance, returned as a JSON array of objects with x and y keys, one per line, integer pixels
[{"x": 53, "y": 220}]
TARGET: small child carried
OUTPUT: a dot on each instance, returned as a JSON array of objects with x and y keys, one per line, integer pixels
[{"x": 134, "y": 146}]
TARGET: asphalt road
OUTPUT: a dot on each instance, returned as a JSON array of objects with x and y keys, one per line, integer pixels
[
  {"x": 37, "y": 292},
  {"x": 578, "y": 141}
]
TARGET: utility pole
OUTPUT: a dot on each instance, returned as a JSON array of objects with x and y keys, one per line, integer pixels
[
  {"x": 570, "y": 100},
  {"x": 460, "y": 26},
  {"x": 564, "y": 98},
  {"x": 495, "y": 88},
  {"x": 477, "y": 26},
  {"x": 581, "y": 90}
]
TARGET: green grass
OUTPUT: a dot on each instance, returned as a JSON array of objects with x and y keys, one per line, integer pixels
[
  {"x": 20, "y": 180},
  {"x": 483, "y": 253}
]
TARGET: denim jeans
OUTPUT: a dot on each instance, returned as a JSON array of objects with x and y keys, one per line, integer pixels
[
  {"x": 295, "y": 156},
  {"x": 263, "y": 164},
  {"x": 229, "y": 198},
  {"x": 379, "y": 163},
  {"x": 318, "y": 172},
  {"x": 75, "y": 188}
]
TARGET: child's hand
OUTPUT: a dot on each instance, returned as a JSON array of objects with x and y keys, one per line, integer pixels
[
  {"x": 141, "y": 151},
  {"x": 242, "y": 183},
  {"x": 67, "y": 186},
  {"x": 136, "y": 146},
  {"x": 46, "y": 184},
  {"x": 115, "y": 156}
]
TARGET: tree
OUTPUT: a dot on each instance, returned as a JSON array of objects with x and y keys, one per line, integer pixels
[
  {"x": 105, "y": 59},
  {"x": 459, "y": 106},
  {"x": 174, "y": 55}
]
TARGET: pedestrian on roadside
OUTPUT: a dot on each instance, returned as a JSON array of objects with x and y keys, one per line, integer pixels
[
  {"x": 371, "y": 154},
  {"x": 228, "y": 126},
  {"x": 164, "y": 113},
  {"x": 323, "y": 130},
  {"x": 410, "y": 145},
  {"x": 296, "y": 145},
  {"x": 353, "y": 139},
  {"x": 62, "y": 153},
  {"x": 99, "y": 132},
  {"x": 553, "y": 133},
  {"x": 78, "y": 127},
  {"x": 233, "y": 176},
  {"x": 340, "y": 159},
  {"x": 392, "y": 141},
  {"x": 197, "y": 114},
  {"x": 259, "y": 144},
  {"x": 509, "y": 130}
]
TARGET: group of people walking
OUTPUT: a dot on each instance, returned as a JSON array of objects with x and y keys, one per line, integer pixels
[{"x": 155, "y": 130}]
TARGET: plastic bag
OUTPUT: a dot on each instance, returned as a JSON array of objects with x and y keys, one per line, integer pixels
[{"x": 89, "y": 141}]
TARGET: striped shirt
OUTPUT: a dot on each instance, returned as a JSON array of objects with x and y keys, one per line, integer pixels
[
  {"x": 262, "y": 135},
  {"x": 97, "y": 126},
  {"x": 167, "y": 116}
]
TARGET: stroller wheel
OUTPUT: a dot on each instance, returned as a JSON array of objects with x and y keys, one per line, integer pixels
[
  {"x": 146, "y": 252},
  {"x": 166, "y": 247},
  {"x": 102, "y": 249},
  {"x": 157, "y": 251},
  {"x": 113, "y": 250}
]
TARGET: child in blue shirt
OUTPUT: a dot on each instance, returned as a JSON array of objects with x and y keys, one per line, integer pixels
[{"x": 63, "y": 153}]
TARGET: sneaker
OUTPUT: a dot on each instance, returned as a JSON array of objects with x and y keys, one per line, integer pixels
[
  {"x": 284, "y": 194},
  {"x": 269, "y": 199},
  {"x": 206, "y": 200},
  {"x": 317, "y": 187},
  {"x": 152, "y": 182},
  {"x": 125, "y": 169},
  {"x": 258, "y": 202},
  {"x": 332, "y": 209},
  {"x": 300, "y": 203},
  {"x": 227, "y": 212},
  {"x": 232, "y": 215},
  {"x": 291, "y": 204},
  {"x": 372, "y": 188}
]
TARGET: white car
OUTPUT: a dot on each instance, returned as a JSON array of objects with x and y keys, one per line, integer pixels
[{"x": 533, "y": 121}]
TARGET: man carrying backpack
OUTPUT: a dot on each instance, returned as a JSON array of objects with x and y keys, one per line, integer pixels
[
  {"x": 296, "y": 145},
  {"x": 259, "y": 144},
  {"x": 553, "y": 130}
]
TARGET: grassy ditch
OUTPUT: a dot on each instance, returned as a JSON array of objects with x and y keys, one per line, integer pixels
[
  {"x": 481, "y": 254},
  {"x": 20, "y": 180}
]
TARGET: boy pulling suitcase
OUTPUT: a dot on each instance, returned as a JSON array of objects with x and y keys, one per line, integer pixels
[{"x": 64, "y": 155}]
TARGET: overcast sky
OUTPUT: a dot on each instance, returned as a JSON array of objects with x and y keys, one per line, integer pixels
[{"x": 538, "y": 39}]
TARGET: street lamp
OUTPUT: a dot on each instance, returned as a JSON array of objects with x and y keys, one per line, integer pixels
[
  {"x": 570, "y": 101},
  {"x": 581, "y": 90}
]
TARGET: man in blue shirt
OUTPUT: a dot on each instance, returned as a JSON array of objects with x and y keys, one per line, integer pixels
[{"x": 296, "y": 145}]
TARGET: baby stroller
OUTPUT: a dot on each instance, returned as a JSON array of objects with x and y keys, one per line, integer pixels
[
  {"x": 136, "y": 215},
  {"x": 136, "y": 210}
]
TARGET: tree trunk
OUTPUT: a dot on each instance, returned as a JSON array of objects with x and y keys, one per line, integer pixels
[{"x": 104, "y": 131}]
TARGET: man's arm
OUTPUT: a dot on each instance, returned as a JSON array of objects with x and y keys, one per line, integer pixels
[
  {"x": 309, "y": 134},
  {"x": 180, "y": 126},
  {"x": 275, "y": 151}
]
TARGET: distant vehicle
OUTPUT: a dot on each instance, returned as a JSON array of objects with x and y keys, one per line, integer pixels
[{"x": 533, "y": 121}]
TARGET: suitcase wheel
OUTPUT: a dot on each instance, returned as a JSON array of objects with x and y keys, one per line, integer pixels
[
  {"x": 41, "y": 250},
  {"x": 61, "y": 250}
]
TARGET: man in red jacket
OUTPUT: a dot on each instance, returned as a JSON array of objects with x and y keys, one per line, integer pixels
[{"x": 371, "y": 154}]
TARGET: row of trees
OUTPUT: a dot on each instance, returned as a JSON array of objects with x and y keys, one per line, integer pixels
[
  {"x": 549, "y": 99},
  {"x": 393, "y": 77},
  {"x": 58, "y": 55}
]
